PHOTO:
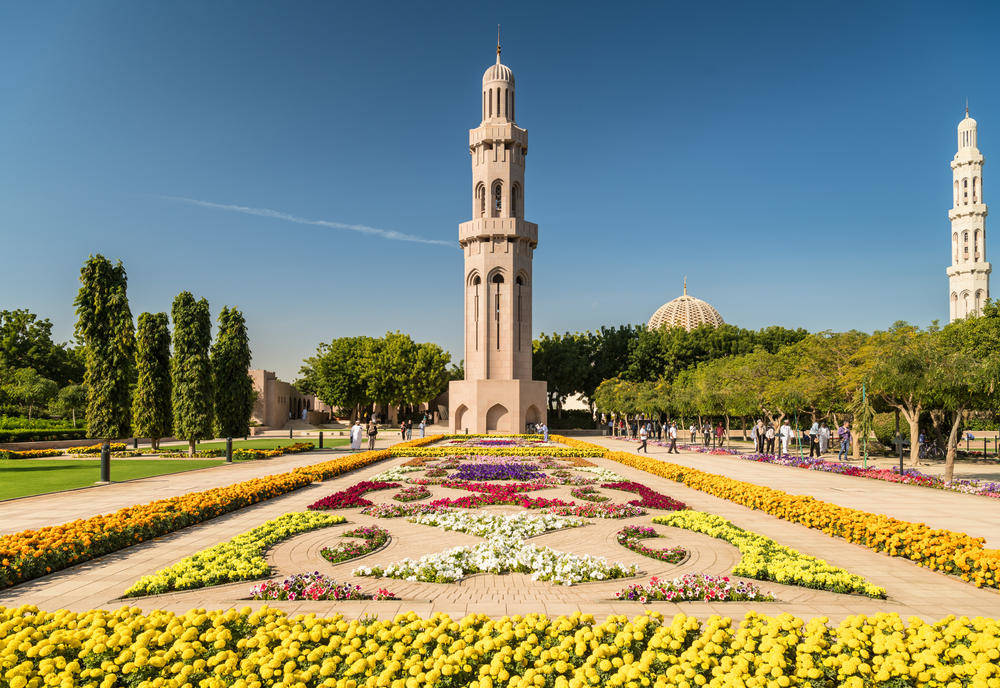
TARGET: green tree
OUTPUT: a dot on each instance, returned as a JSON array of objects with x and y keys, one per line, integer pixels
[
  {"x": 338, "y": 375},
  {"x": 29, "y": 389},
  {"x": 152, "y": 412},
  {"x": 562, "y": 361},
  {"x": 26, "y": 342},
  {"x": 900, "y": 366},
  {"x": 430, "y": 375},
  {"x": 70, "y": 401},
  {"x": 234, "y": 393},
  {"x": 104, "y": 324},
  {"x": 191, "y": 370}
]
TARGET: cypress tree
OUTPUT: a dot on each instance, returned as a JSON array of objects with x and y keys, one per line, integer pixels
[
  {"x": 152, "y": 415},
  {"x": 234, "y": 396},
  {"x": 190, "y": 370},
  {"x": 104, "y": 323}
]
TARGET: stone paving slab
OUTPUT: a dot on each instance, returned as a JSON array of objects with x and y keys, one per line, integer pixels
[{"x": 912, "y": 589}]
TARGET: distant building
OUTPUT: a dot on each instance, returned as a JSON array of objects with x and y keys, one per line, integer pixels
[
  {"x": 279, "y": 402},
  {"x": 969, "y": 274},
  {"x": 685, "y": 311}
]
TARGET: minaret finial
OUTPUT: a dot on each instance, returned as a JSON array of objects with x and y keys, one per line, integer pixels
[
  {"x": 685, "y": 285},
  {"x": 966, "y": 106},
  {"x": 498, "y": 44}
]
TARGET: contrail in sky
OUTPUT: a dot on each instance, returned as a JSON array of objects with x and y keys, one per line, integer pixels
[{"x": 287, "y": 217}]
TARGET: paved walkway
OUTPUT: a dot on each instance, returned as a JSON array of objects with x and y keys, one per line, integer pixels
[
  {"x": 912, "y": 590},
  {"x": 979, "y": 516}
]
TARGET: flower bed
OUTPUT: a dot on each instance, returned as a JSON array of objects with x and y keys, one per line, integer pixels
[
  {"x": 497, "y": 471},
  {"x": 937, "y": 549},
  {"x": 397, "y": 510},
  {"x": 498, "y": 499},
  {"x": 693, "y": 586},
  {"x": 351, "y": 497},
  {"x": 241, "y": 558},
  {"x": 32, "y": 553},
  {"x": 764, "y": 559},
  {"x": 314, "y": 586},
  {"x": 30, "y": 453},
  {"x": 96, "y": 448},
  {"x": 561, "y": 452},
  {"x": 520, "y": 526},
  {"x": 598, "y": 510},
  {"x": 372, "y": 537},
  {"x": 495, "y": 489},
  {"x": 95, "y": 647},
  {"x": 184, "y": 454},
  {"x": 395, "y": 475},
  {"x": 412, "y": 494},
  {"x": 588, "y": 494},
  {"x": 651, "y": 499},
  {"x": 254, "y": 454},
  {"x": 910, "y": 476},
  {"x": 502, "y": 555},
  {"x": 630, "y": 537}
]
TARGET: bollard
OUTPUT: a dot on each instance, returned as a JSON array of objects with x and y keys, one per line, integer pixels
[
  {"x": 900, "y": 444},
  {"x": 289, "y": 433},
  {"x": 320, "y": 439},
  {"x": 229, "y": 450},
  {"x": 106, "y": 462},
  {"x": 135, "y": 442},
  {"x": 984, "y": 447}
]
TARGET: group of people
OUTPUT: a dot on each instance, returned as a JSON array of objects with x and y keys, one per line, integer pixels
[
  {"x": 646, "y": 430},
  {"x": 358, "y": 431},
  {"x": 658, "y": 430},
  {"x": 817, "y": 438}
]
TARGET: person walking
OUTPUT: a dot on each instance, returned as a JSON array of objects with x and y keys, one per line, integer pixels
[
  {"x": 372, "y": 434},
  {"x": 694, "y": 431},
  {"x": 545, "y": 431},
  {"x": 844, "y": 433},
  {"x": 824, "y": 438},
  {"x": 409, "y": 429},
  {"x": 356, "y": 436},
  {"x": 814, "y": 439},
  {"x": 768, "y": 440},
  {"x": 643, "y": 438},
  {"x": 720, "y": 434},
  {"x": 673, "y": 438},
  {"x": 755, "y": 437},
  {"x": 786, "y": 434},
  {"x": 423, "y": 427}
]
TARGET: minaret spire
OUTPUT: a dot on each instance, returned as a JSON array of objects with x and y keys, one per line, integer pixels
[
  {"x": 498, "y": 45},
  {"x": 966, "y": 100},
  {"x": 685, "y": 285}
]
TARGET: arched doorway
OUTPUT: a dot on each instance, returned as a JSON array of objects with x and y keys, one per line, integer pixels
[
  {"x": 532, "y": 415},
  {"x": 496, "y": 418},
  {"x": 460, "y": 417}
]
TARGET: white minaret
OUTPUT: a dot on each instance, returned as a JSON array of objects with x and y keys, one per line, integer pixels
[
  {"x": 497, "y": 393},
  {"x": 969, "y": 274}
]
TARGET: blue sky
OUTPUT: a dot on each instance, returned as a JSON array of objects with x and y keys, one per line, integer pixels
[{"x": 790, "y": 158}]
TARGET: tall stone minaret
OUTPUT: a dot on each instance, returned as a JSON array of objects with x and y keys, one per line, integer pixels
[
  {"x": 969, "y": 274},
  {"x": 497, "y": 393}
]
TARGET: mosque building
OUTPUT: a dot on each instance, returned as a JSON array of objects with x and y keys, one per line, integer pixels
[
  {"x": 685, "y": 311},
  {"x": 969, "y": 274}
]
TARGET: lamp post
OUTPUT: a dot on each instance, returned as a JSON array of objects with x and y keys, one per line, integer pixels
[
  {"x": 106, "y": 461},
  {"x": 229, "y": 450}
]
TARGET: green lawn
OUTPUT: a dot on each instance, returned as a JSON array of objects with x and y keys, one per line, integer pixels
[
  {"x": 265, "y": 443},
  {"x": 23, "y": 477}
]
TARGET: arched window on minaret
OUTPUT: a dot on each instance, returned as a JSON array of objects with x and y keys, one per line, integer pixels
[
  {"x": 480, "y": 200},
  {"x": 515, "y": 200},
  {"x": 475, "y": 289},
  {"x": 976, "y": 243},
  {"x": 965, "y": 191},
  {"x": 955, "y": 203},
  {"x": 497, "y": 281},
  {"x": 975, "y": 189},
  {"x": 491, "y": 102},
  {"x": 497, "y": 204},
  {"x": 520, "y": 286},
  {"x": 965, "y": 245},
  {"x": 954, "y": 246}
]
